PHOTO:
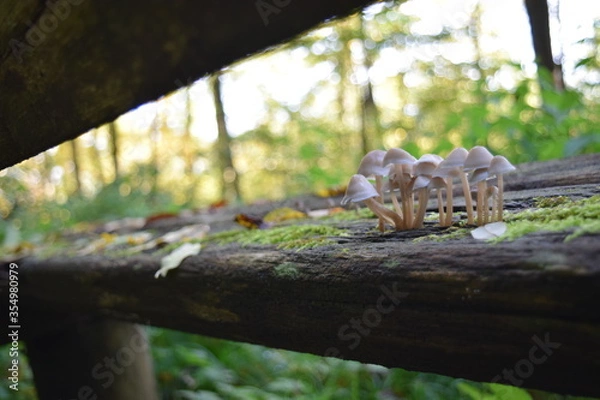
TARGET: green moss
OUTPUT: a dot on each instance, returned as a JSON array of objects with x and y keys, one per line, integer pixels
[
  {"x": 581, "y": 217},
  {"x": 287, "y": 270},
  {"x": 550, "y": 202},
  {"x": 299, "y": 237}
]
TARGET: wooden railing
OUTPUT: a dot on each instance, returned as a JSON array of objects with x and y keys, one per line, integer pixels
[{"x": 523, "y": 312}]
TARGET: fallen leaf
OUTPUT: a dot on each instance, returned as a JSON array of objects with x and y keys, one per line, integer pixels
[
  {"x": 283, "y": 214},
  {"x": 489, "y": 231},
  {"x": 248, "y": 221},
  {"x": 332, "y": 192},
  {"x": 176, "y": 257},
  {"x": 324, "y": 212}
]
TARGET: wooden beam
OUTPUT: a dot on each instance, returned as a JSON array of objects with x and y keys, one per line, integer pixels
[
  {"x": 67, "y": 66},
  {"x": 523, "y": 312}
]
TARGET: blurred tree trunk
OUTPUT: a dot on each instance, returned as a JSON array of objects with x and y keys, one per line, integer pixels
[
  {"x": 369, "y": 115},
  {"x": 539, "y": 19},
  {"x": 76, "y": 166},
  {"x": 475, "y": 34},
  {"x": 344, "y": 67},
  {"x": 112, "y": 130},
  {"x": 230, "y": 185},
  {"x": 152, "y": 171},
  {"x": 188, "y": 149},
  {"x": 97, "y": 159}
]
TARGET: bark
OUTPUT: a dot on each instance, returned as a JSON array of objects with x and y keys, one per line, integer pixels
[
  {"x": 461, "y": 307},
  {"x": 229, "y": 177},
  {"x": 83, "y": 72}
]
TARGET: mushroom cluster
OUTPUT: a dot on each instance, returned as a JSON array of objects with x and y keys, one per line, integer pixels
[{"x": 408, "y": 177}]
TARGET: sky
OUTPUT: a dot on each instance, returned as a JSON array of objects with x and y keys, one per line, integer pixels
[{"x": 286, "y": 76}]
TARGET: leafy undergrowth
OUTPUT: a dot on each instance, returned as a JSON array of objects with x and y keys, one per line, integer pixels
[{"x": 196, "y": 367}]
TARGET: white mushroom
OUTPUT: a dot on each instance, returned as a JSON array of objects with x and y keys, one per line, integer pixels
[
  {"x": 400, "y": 177},
  {"x": 452, "y": 166},
  {"x": 440, "y": 183},
  {"x": 500, "y": 166},
  {"x": 422, "y": 170},
  {"x": 479, "y": 159},
  {"x": 360, "y": 189},
  {"x": 371, "y": 165}
]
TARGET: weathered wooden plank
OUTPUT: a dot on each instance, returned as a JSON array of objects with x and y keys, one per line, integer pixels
[
  {"x": 70, "y": 65},
  {"x": 460, "y": 307}
]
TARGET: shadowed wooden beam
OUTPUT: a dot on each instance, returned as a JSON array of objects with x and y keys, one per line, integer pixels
[
  {"x": 523, "y": 312},
  {"x": 70, "y": 65}
]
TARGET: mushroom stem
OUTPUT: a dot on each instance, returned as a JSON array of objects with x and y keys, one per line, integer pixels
[
  {"x": 481, "y": 202},
  {"x": 397, "y": 205},
  {"x": 406, "y": 213},
  {"x": 467, "y": 194},
  {"x": 420, "y": 217},
  {"x": 449, "y": 205},
  {"x": 440, "y": 201},
  {"x": 379, "y": 188},
  {"x": 378, "y": 209},
  {"x": 494, "y": 195},
  {"x": 500, "y": 202}
]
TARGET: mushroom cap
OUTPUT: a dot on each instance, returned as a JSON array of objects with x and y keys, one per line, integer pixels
[
  {"x": 421, "y": 182},
  {"x": 437, "y": 183},
  {"x": 398, "y": 156},
  {"x": 500, "y": 165},
  {"x": 480, "y": 174},
  {"x": 455, "y": 159},
  {"x": 372, "y": 164},
  {"x": 426, "y": 164},
  {"x": 479, "y": 157},
  {"x": 359, "y": 189}
]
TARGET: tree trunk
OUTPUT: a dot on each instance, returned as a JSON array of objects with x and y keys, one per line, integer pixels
[
  {"x": 369, "y": 115},
  {"x": 152, "y": 172},
  {"x": 97, "y": 159},
  {"x": 537, "y": 10},
  {"x": 188, "y": 149},
  {"x": 229, "y": 177},
  {"x": 114, "y": 147},
  {"x": 76, "y": 166}
]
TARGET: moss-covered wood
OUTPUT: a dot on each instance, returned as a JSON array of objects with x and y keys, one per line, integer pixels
[
  {"x": 70, "y": 65},
  {"x": 429, "y": 300}
]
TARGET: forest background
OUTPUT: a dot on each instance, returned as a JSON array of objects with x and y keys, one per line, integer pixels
[{"x": 424, "y": 75}]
